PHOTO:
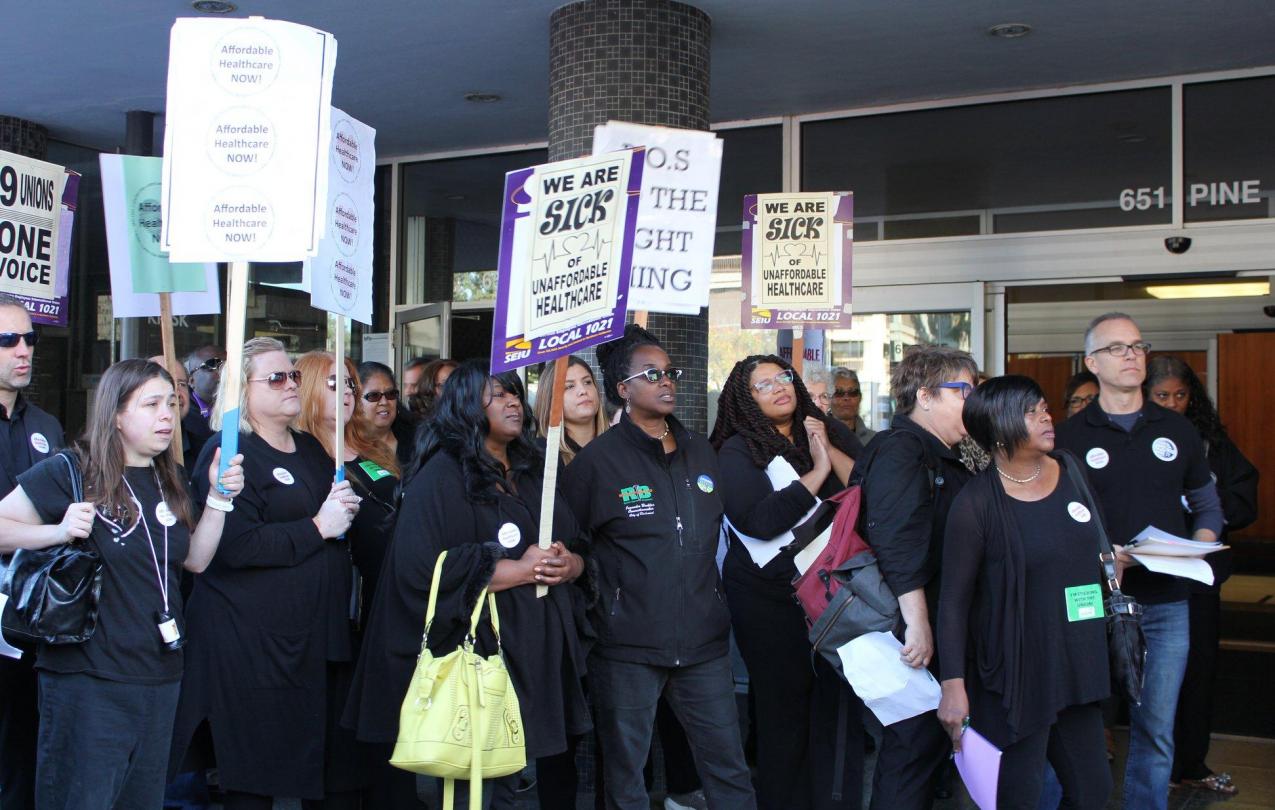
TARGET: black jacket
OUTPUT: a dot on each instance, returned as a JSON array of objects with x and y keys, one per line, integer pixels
[
  {"x": 28, "y": 436},
  {"x": 195, "y": 433},
  {"x": 652, "y": 522}
]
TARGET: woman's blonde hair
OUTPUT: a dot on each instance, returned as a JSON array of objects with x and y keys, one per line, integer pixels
[
  {"x": 252, "y": 349},
  {"x": 544, "y": 402},
  {"x": 315, "y": 368}
]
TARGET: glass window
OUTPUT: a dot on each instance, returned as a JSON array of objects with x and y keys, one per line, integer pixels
[
  {"x": 874, "y": 345},
  {"x": 752, "y": 163},
  {"x": 451, "y": 225},
  {"x": 1227, "y": 161},
  {"x": 1096, "y": 160}
]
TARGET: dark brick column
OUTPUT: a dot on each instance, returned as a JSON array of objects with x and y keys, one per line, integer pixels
[
  {"x": 644, "y": 62},
  {"x": 23, "y": 137}
]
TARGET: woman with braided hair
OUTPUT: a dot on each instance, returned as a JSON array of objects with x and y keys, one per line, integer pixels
[{"x": 779, "y": 454}]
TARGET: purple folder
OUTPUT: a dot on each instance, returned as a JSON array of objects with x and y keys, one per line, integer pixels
[{"x": 979, "y": 764}]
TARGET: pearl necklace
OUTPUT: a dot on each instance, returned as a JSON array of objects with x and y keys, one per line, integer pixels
[
  {"x": 663, "y": 435},
  {"x": 1026, "y": 480}
]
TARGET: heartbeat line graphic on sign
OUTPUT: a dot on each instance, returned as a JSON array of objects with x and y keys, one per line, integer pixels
[
  {"x": 575, "y": 245},
  {"x": 795, "y": 251}
]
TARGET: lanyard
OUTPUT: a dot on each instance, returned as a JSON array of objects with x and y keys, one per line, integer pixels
[{"x": 150, "y": 542}]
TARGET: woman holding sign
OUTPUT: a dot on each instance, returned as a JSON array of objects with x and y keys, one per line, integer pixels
[
  {"x": 645, "y": 493},
  {"x": 476, "y": 496},
  {"x": 266, "y": 616},
  {"x": 1021, "y": 633},
  {"x": 107, "y": 704},
  {"x": 779, "y": 454}
]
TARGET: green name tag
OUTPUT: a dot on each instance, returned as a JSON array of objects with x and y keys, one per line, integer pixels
[
  {"x": 374, "y": 471},
  {"x": 1084, "y": 602}
]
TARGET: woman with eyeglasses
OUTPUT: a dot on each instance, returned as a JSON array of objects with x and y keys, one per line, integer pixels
[
  {"x": 107, "y": 704},
  {"x": 911, "y": 474},
  {"x": 1173, "y": 384},
  {"x": 816, "y": 379},
  {"x": 645, "y": 493},
  {"x": 264, "y": 618},
  {"x": 1022, "y": 638},
  {"x": 847, "y": 397},
  {"x": 1081, "y": 389},
  {"x": 779, "y": 454},
  {"x": 385, "y": 421},
  {"x": 476, "y": 496}
]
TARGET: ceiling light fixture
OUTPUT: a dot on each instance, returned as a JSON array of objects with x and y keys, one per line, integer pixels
[
  {"x": 1233, "y": 289},
  {"x": 482, "y": 98},
  {"x": 213, "y": 6},
  {"x": 1010, "y": 30}
]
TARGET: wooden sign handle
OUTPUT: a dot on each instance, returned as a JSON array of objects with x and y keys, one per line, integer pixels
[
  {"x": 553, "y": 444},
  {"x": 170, "y": 363}
]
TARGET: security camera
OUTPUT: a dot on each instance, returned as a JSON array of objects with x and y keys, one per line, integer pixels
[
  {"x": 1269, "y": 311},
  {"x": 1177, "y": 244}
]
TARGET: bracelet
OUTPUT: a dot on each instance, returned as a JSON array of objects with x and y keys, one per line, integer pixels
[{"x": 220, "y": 505}]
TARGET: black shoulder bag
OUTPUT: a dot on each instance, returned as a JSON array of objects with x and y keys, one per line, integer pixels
[
  {"x": 1125, "y": 641},
  {"x": 53, "y": 592}
]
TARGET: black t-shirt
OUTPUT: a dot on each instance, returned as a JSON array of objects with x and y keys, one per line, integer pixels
[
  {"x": 28, "y": 435},
  {"x": 1139, "y": 478},
  {"x": 126, "y": 646}
]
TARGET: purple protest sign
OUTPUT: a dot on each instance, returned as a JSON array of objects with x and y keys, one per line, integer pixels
[
  {"x": 796, "y": 260},
  {"x": 566, "y": 249}
]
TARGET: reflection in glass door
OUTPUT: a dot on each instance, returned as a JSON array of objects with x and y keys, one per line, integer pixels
[{"x": 420, "y": 332}]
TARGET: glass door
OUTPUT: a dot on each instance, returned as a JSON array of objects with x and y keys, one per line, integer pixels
[{"x": 421, "y": 331}]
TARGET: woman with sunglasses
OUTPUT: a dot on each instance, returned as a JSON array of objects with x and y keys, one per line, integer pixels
[
  {"x": 779, "y": 454},
  {"x": 476, "y": 496},
  {"x": 385, "y": 421},
  {"x": 911, "y": 474},
  {"x": 645, "y": 493},
  {"x": 1022, "y": 637},
  {"x": 264, "y": 618},
  {"x": 107, "y": 705},
  {"x": 847, "y": 396}
]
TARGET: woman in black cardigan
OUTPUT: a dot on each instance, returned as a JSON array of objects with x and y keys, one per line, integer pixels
[
  {"x": 1021, "y": 636},
  {"x": 766, "y": 420}
]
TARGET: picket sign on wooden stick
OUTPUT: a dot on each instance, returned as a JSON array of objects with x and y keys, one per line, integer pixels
[
  {"x": 798, "y": 349},
  {"x": 338, "y": 445},
  {"x": 170, "y": 363},
  {"x": 553, "y": 443},
  {"x": 640, "y": 318},
  {"x": 232, "y": 371}
]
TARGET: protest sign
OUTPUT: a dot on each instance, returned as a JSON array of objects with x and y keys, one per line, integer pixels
[
  {"x": 341, "y": 275},
  {"x": 812, "y": 351},
  {"x": 677, "y": 215},
  {"x": 796, "y": 260},
  {"x": 139, "y": 265},
  {"x": 246, "y": 140},
  {"x": 566, "y": 244},
  {"x": 34, "y": 244}
]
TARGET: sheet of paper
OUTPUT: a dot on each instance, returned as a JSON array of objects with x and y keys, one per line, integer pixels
[
  {"x": 893, "y": 690},
  {"x": 1189, "y": 567},
  {"x": 804, "y": 558},
  {"x": 7, "y": 649},
  {"x": 781, "y": 474},
  {"x": 979, "y": 764},
  {"x": 1156, "y": 541}
]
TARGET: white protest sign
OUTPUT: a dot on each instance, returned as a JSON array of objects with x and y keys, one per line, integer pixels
[
  {"x": 246, "y": 141},
  {"x": 341, "y": 275},
  {"x": 677, "y": 217},
  {"x": 30, "y": 218}
]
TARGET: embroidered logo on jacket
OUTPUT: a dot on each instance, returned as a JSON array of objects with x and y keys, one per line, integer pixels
[{"x": 637, "y": 500}]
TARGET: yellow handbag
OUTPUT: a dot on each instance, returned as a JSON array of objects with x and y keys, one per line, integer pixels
[{"x": 451, "y": 697}]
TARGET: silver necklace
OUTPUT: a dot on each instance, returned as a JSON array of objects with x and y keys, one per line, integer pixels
[{"x": 1026, "y": 480}]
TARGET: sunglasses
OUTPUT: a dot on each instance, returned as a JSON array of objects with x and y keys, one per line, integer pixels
[
  {"x": 846, "y": 393},
  {"x": 654, "y": 375},
  {"x": 278, "y": 379},
  {"x": 211, "y": 364},
  {"x": 10, "y": 339},
  {"x": 349, "y": 382},
  {"x": 390, "y": 395}
]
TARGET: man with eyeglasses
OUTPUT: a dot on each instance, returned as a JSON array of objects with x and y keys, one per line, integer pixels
[
  {"x": 27, "y": 435},
  {"x": 203, "y": 368},
  {"x": 847, "y": 397},
  {"x": 1142, "y": 460}
]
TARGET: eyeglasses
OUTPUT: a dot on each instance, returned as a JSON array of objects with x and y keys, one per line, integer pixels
[
  {"x": 211, "y": 364},
  {"x": 1121, "y": 349},
  {"x": 766, "y": 386},
  {"x": 654, "y": 375},
  {"x": 349, "y": 382},
  {"x": 278, "y": 379},
  {"x": 964, "y": 389},
  {"x": 845, "y": 393},
  {"x": 390, "y": 395},
  {"x": 1081, "y": 402},
  {"x": 10, "y": 339},
  {"x": 823, "y": 399}
]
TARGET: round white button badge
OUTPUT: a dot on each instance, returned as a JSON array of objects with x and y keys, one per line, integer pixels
[
  {"x": 1079, "y": 512},
  {"x": 509, "y": 535},
  {"x": 283, "y": 476},
  {"x": 1097, "y": 458},
  {"x": 40, "y": 443},
  {"x": 1164, "y": 449},
  {"x": 165, "y": 515}
]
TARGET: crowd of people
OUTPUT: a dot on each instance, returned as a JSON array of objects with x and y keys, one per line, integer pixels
[{"x": 264, "y": 617}]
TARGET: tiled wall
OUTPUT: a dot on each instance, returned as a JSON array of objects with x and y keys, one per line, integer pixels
[{"x": 23, "y": 137}]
